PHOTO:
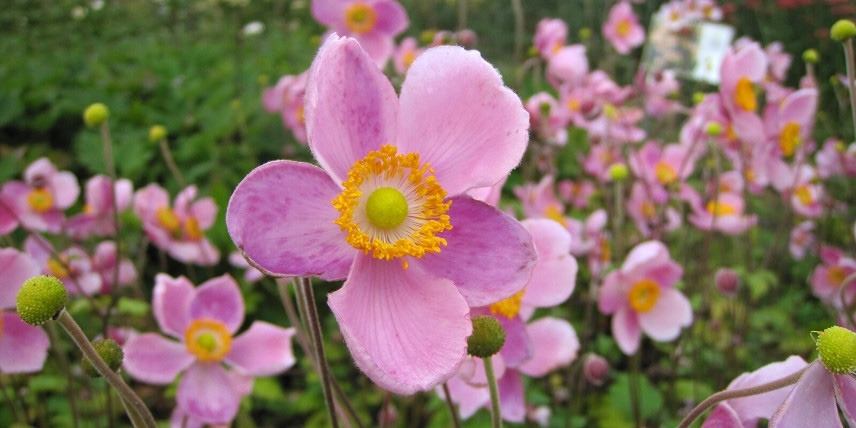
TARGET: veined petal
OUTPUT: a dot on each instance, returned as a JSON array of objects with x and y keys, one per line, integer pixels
[
  {"x": 281, "y": 217},
  {"x": 555, "y": 344},
  {"x": 811, "y": 403},
  {"x": 665, "y": 320},
  {"x": 459, "y": 117},
  {"x": 23, "y": 348},
  {"x": 155, "y": 359},
  {"x": 489, "y": 255},
  {"x": 406, "y": 330},
  {"x": 171, "y": 300},
  {"x": 207, "y": 393},
  {"x": 263, "y": 350},
  {"x": 219, "y": 299},
  {"x": 350, "y": 106},
  {"x": 15, "y": 268}
]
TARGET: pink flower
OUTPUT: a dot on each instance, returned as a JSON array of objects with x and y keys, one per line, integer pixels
[
  {"x": 622, "y": 28},
  {"x": 827, "y": 279},
  {"x": 178, "y": 229},
  {"x": 807, "y": 194},
  {"x": 739, "y": 71},
  {"x": 40, "y": 200},
  {"x": 793, "y": 119},
  {"x": 723, "y": 214},
  {"x": 546, "y": 118},
  {"x": 104, "y": 262},
  {"x": 641, "y": 297},
  {"x": 374, "y": 23},
  {"x": 204, "y": 320},
  {"x": 97, "y": 216},
  {"x": 816, "y": 398},
  {"x": 540, "y": 201},
  {"x": 286, "y": 98},
  {"x": 801, "y": 240},
  {"x": 550, "y": 35},
  {"x": 416, "y": 251},
  {"x": 72, "y": 265},
  {"x": 568, "y": 66},
  {"x": 405, "y": 54},
  {"x": 578, "y": 193},
  {"x": 23, "y": 348},
  {"x": 647, "y": 214}
]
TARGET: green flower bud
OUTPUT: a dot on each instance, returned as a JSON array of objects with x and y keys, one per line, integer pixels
[
  {"x": 585, "y": 33},
  {"x": 40, "y": 299},
  {"x": 842, "y": 30},
  {"x": 487, "y": 338},
  {"x": 95, "y": 115},
  {"x": 698, "y": 97},
  {"x": 713, "y": 129},
  {"x": 109, "y": 351},
  {"x": 811, "y": 56},
  {"x": 618, "y": 171},
  {"x": 157, "y": 133},
  {"x": 836, "y": 347}
]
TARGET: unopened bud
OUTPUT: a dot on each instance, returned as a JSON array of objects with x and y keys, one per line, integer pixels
[
  {"x": 109, "y": 351},
  {"x": 618, "y": 172},
  {"x": 842, "y": 30},
  {"x": 714, "y": 129},
  {"x": 727, "y": 281},
  {"x": 487, "y": 338},
  {"x": 40, "y": 299},
  {"x": 811, "y": 56},
  {"x": 95, "y": 115},
  {"x": 595, "y": 369},
  {"x": 157, "y": 133}
]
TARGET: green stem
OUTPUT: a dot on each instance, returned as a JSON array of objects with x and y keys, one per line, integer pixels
[
  {"x": 850, "y": 62},
  {"x": 633, "y": 384},
  {"x": 517, "y": 7},
  {"x": 137, "y": 411},
  {"x": 737, "y": 393},
  {"x": 496, "y": 412},
  {"x": 62, "y": 360},
  {"x": 314, "y": 325},
  {"x": 455, "y": 421},
  {"x": 170, "y": 163}
]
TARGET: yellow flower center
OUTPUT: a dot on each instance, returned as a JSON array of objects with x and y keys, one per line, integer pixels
[
  {"x": 301, "y": 118},
  {"x": 554, "y": 213},
  {"x": 790, "y": 139},
  {"x": 192, "y": 230},
  {"x": 574, "y": 104},
  {"x": 665, "y": 173},
  {"x": 718, "y": 208},
  {"x": 208, "y": 340},
  {"x": 835, "y": 275},
  {"x": 392, "y": 207},
  {"x": 167, "y": 218},
  {"x": 623, "y": 28},
  {"x": 510, "y": 306},
  {"x": 648, "y": 210},
  {"x": 360, "y": 18},
  {"x": 58, "y": 268},
  {"x": 643, "y": 295},
  {"x": 40, "y": 200},
  {"x": 803, "y": 193},
  {"x": 744, "y": 95},
  {"x": 408, "y": 59}
]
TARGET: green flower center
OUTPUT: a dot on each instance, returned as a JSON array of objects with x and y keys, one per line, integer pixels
[
  {"x": 836, "y": 347},
  {"x": 386, "y": 208}
]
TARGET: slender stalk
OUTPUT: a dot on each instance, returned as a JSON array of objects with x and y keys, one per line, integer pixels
[
  {"x": 137, "y": 411},
  {"x": 517, "y": 7},
  {"x": 62, "y": 360},
  {"x": 850, "y": 62},
  {"x": 170, "y": 163},
  {"x": 110, "y": 166},
  {"x": 633, "y": 384},
  {"x": 737, "y": 393},
  {"x": 314, "y": 325},
  {"x": 455, "y": 421},
  {"x": 9, "y": 402},
  {"x": 496, "y": 412}
]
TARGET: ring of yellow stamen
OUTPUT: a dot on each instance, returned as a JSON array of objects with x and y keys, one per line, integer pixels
[
  {"x": 790, "y": 139},
  {"x": 208, "y": 340},
  {"x": 665, "y": 173},
  {"x": 392, "y": 207},
  {"x": 719, "y": 208},
  {"x": 40, "y": 200},
  {"x": 744, "y": 95},
  {"x": 508, "y": 307},
  {"x": 643, "y": 295},
  {"x": 360, "y": 18}
]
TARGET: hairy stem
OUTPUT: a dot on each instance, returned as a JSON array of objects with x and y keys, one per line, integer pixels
[
  {"x": 496, "y": 412},
  {"x": 314, "y": 325}
]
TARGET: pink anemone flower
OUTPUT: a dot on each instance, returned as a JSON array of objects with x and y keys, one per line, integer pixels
[
  {"x": 97, "y": 216},
  {"x": 23, "y": 348},
  {"x": 374, "y": 23},
  {"x": 388, "y": 209},
  {"x": 39, "y": 202},
  {"x": 550, "y": 35},
  {"x": 641, "y": 297},
  {"x": 827, "y": 280},
  {"x": 622, "y": 28},
  {"x": 72, "y": 265},
  {"x": 204, "y": 320},
  {"x": 286, "y": 98},
  {"x": 816, "y": 399}
]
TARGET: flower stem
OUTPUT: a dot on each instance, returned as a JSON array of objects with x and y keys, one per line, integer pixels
[
  {"x": 737, "y": 393},
  {"x": 314, "y": 325},
  {"x": 496, "y": 413},
  {"x": 170, "y": 163},
  {"x": 850, "y": 63},
  {"x": 455, "y": 421},
  {"x": 137, "y": 411}
]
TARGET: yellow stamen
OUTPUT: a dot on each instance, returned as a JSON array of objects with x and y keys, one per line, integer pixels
[
  {"x": 790, "y": 139},
  {"x": 360, "y": 18},
  {"x": 58, "y": 268},
  {"x": 426, "y": 216},
  {"x": 665, "y": 173},
  {"x": 835, "y": 275},
  {"x": 644, "y": 295},
  {"x": 744, "y": 95},
  {"x": 192, "y": 230},
  {"x": 209, "y": 340},
  {"x": 648, "y": 210},
  {"x": 408, "y": 59},
  {"x": 40, "y": 200},
  {"x": 168, "y": 219},
  {"x": 554, "y": 213},
  {"x": 718, "y": 208},
  {"x": 803, "y": 193},
  {"x": 510, "y": 306},
  {"x": 574, "y": 104},
  {"x": 623, "y": 28}
]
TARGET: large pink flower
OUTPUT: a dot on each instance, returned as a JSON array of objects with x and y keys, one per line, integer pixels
[
  {"x": 416, "y": 251},
  {"x": 641, "y": 297},
  {"x": 374, "y": 23},
  {"x": 204, "y": 319},
  {"x": 23, "y": 348}
]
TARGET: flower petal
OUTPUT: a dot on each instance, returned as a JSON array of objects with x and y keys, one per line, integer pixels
[
  {"x": 755, "y": 407},
  {"x": 811, "y": 403},
  {"x": 555, "y": 344},
  {"x": 461, "y": 119},
  {"x": 845, "y": 392},
  {"x": 723, "y": 416},
  {"x": 626, "y": 330},
  {"x": 15, "y": 268},
  {"x": 219, "y": 299},
  {"x": 554, "y": 277},
  {"x": 406, "y": 330},
  {"x": 489, "y": 255},
  {"x": 511, "y": 401},
  {"x": 517, "y": 347},
  {"x": 350, "y": 106},
  {"x": 665, "y": 320},
  {"x": 469, "y": 398},
  {"x": 171, "y": 300},
  {"x": 155, "y": 359},
  {"x": 23, "y": 348},
  {"x": 207, "y": 393},
  {"x": 263, "y": 350},
  {"x": 281, "y": 217}
]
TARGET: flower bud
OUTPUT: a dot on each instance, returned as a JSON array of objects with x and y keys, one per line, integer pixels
[
  {"x": 698, "y": 97},
  {"x": 40, "y": 299},
  {"x": 595, "y": 369},
  {"x": 95, "y": 115},
  {"x": 487, "y": 338},
  {"x": 727, "y": 281},
  {"x": 842, "y": 30},
  {"x": 811, "y": 56},
  {"x": 585, "y": 33},
  {"x": 714, "y": 129},
  {"x": 157, "y": 133},
  {"x": 618, "y": 172},
  {"x": 109, "y": 351},
  {"x": 836, "y": 347}
]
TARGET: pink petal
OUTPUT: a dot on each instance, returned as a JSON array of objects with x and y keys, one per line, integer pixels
[
  {"x": 152, "y": 358},
  {"x": 644, "y": 255},
  {"x": 378, "y": 46},
  {"x": 845, "y": 392},
  {"x": 219, "y": 299},
  {"x": 171, "y": 301},
  {"x": 15, "y": 268},
  {"x": 518, "y": 347},
  {"x": 626, "y": 330},
  {"x": 612, "y": 294},
  {"x": 391, "y": 17},
  {"x": 723, "y": 416},
  {"x": 350, "y": 106},
  {"x": 207, "y": 393},
  {"x": 489, "y": 255},
  {"x": 555, "y": 275},
  {"x": 280, "y": 216},
  {"x": 811, "y": 403},
  {"x": 406, "y": 330},
  {"x": 469, "y": 398},
  {"x": 65, "y": 189},
  {"x": 456, "y": 113},
  {"x": 665, "y": 320},
  {"x": 23, "y": 348},
  {"x": 205, "y": 212},
  {"x": 263, "y": 350},
  {"x": 511, "y": 400},
  {"x": 8, "y": 220},
  {"x": 755, "y": 407},
  {"x": 330, "y": 12},
  {"x": 555, "y": 343}
]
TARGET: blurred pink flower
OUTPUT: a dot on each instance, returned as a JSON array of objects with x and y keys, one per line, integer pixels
[
  {"x": 641, "y": 297},
  {"x": 413, "y": 257},
  {"x": 622, "y": 28},
  {"x": 404, "y": 54},
  {"x": 286, "y": 98},
  {"x": 72, "y": 265},
  {"x": 802, "y": 239},
  {"x": 647, "y": 213},
  {"x": 550, "y": 35},
  {"x": 204, "y": 321},
  {"x": 546, "y": 119},
  {"x": 827, "y": 279},
  {"x": 568, "y": 66},
  {"x": 97, "y": 216},
  {"x": 834, "y": 158},
  {"x": 23, "y": 348},
  {"x": 723, "y": 214},
  {"x": 104, "y": 262},
  {"x": 578, "y": 193},
  {"x": 374, "y": 23},
  {"x": 39, "y": 202}
]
